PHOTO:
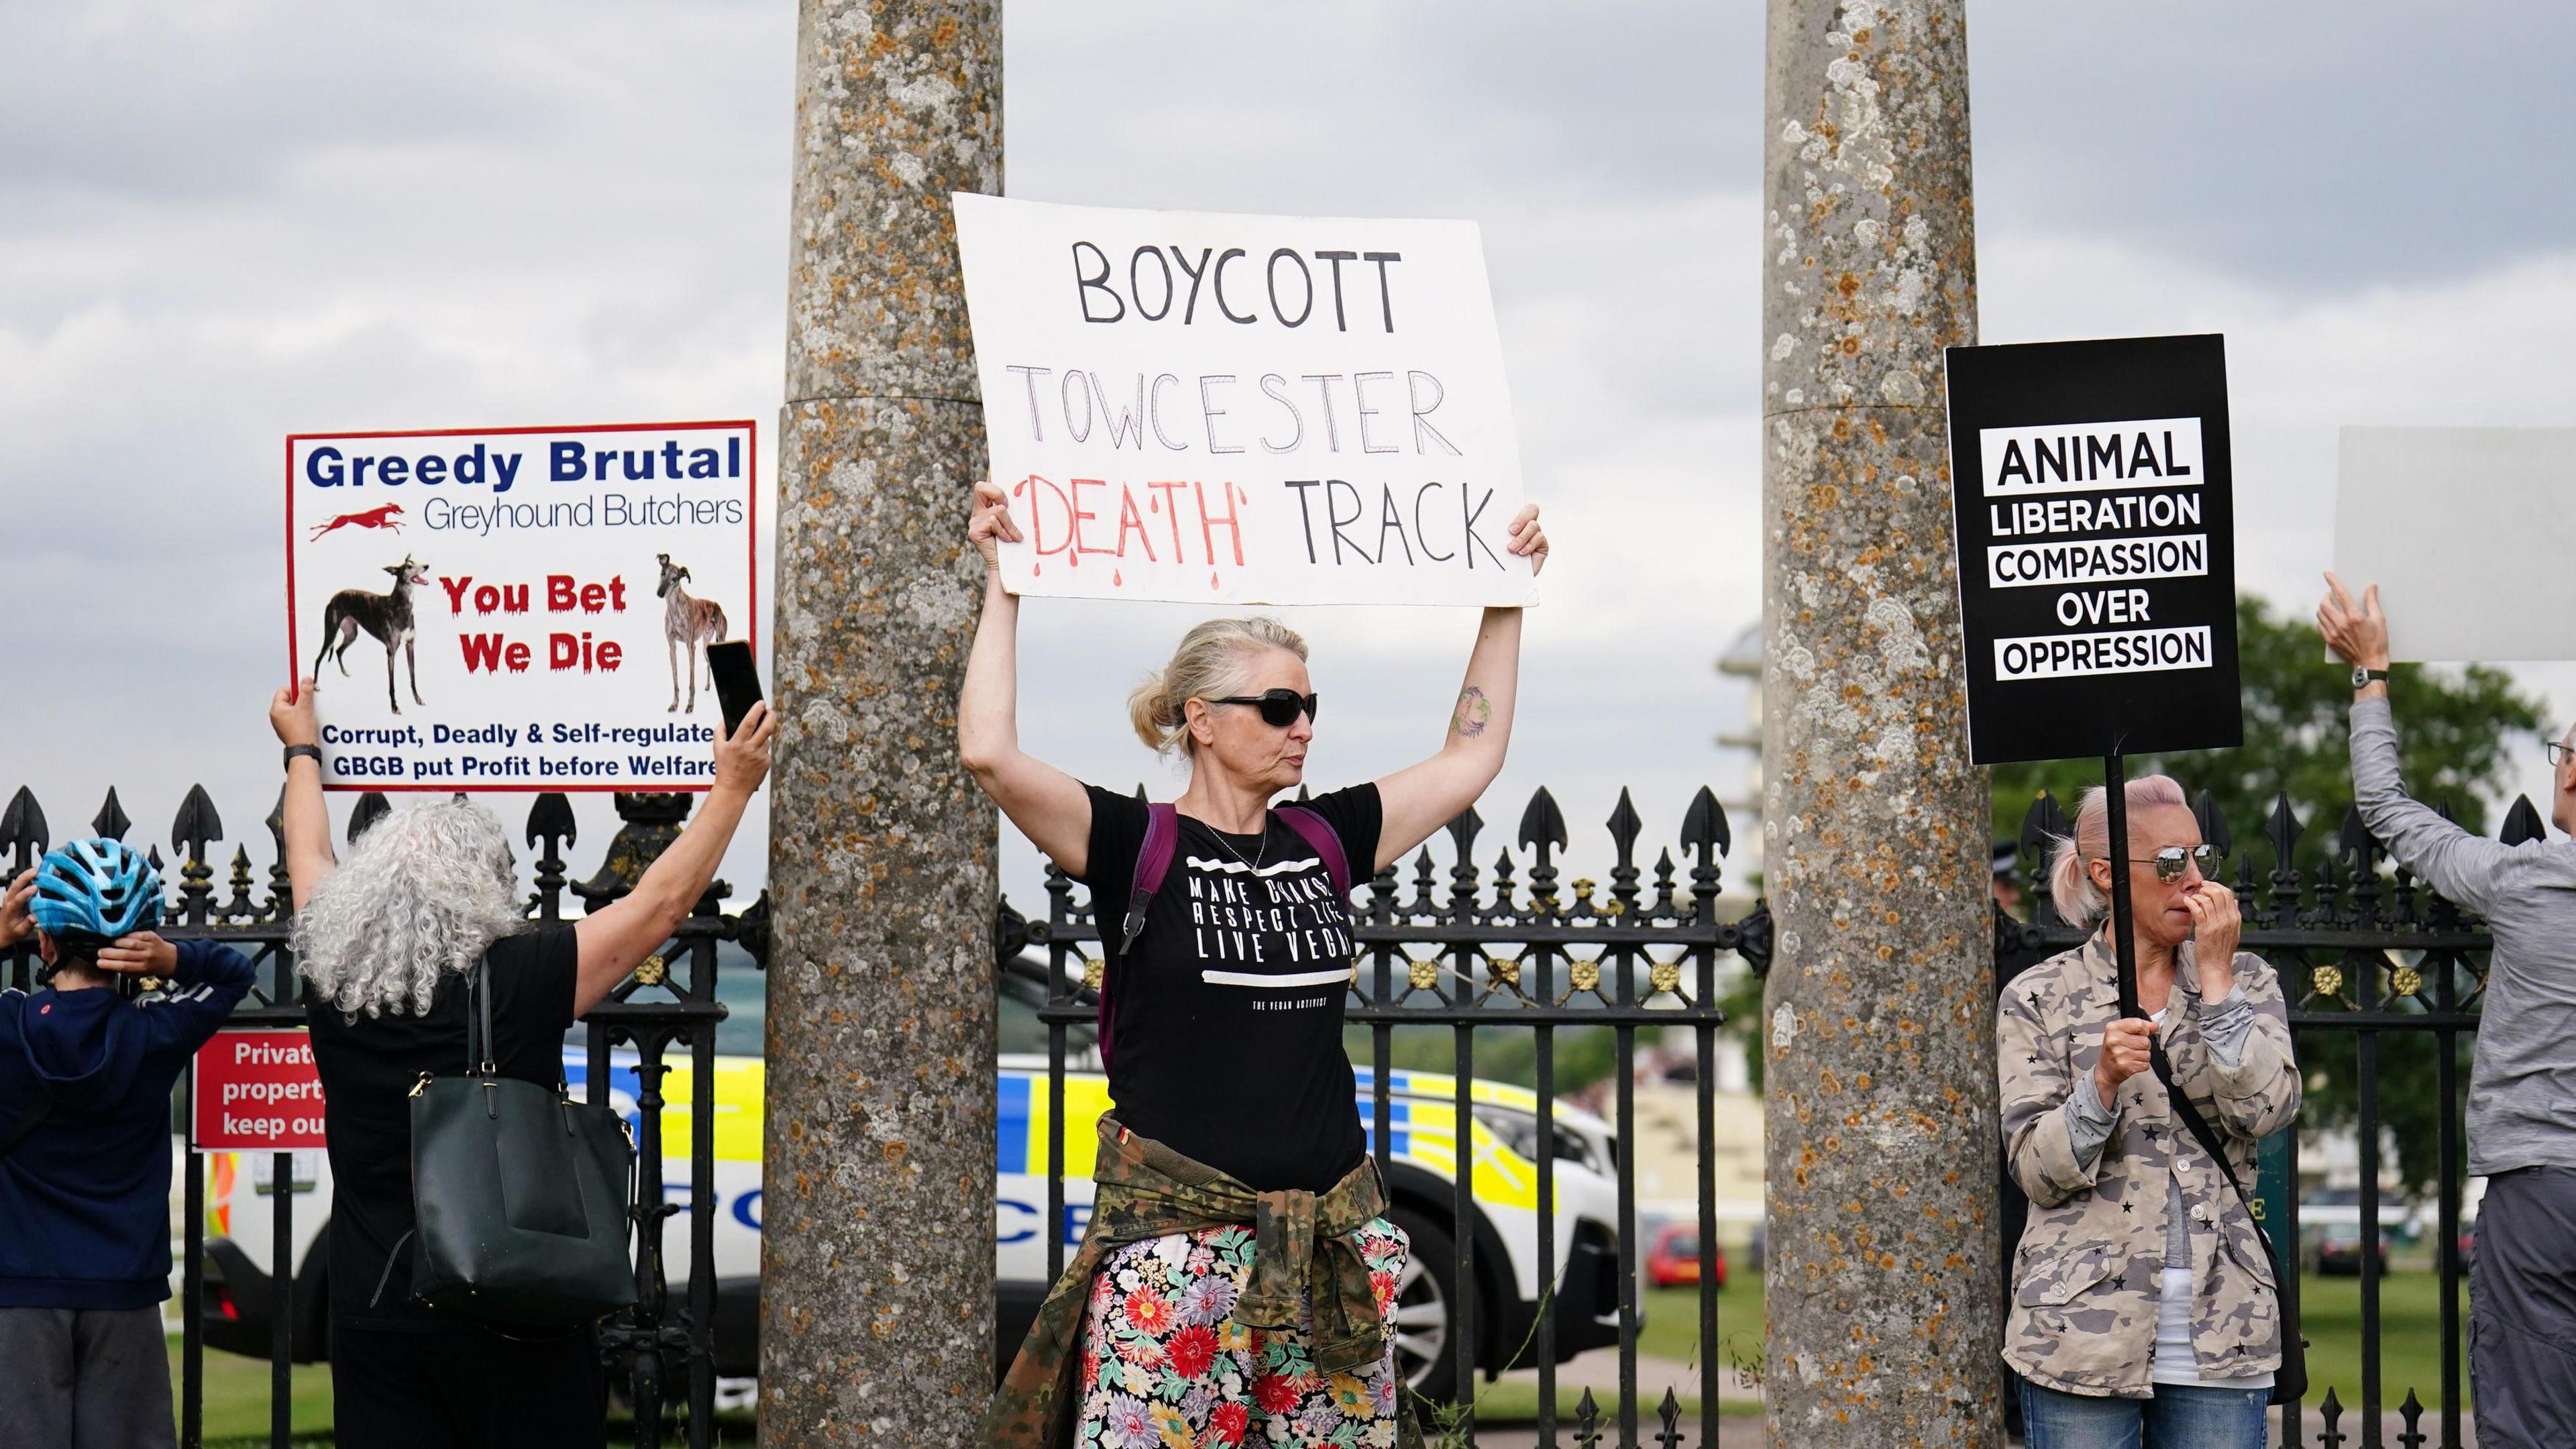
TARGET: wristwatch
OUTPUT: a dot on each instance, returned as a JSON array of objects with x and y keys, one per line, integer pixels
[
  {"x": 310, "y": 752},
  {"x": 2361, "y": 677}
]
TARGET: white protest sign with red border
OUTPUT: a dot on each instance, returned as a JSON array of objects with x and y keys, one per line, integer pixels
[
  {"x": 1215, "y": 408},
  {"x": 255, "y": 1091},
  {"x": 520, "y": 608}
]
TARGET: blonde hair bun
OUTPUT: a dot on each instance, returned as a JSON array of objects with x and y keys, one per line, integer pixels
[{"x": 1209, "y": 664}]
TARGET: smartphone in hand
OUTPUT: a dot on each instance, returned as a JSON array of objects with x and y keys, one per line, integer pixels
[{"x": 737, "y": 682}]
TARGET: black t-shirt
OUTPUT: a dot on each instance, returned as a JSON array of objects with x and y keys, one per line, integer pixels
[
  {"x": 368, "y": 1068},
  {"x": 1227, "y": 1016}
]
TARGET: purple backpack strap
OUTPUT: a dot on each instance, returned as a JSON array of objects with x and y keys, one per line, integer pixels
[
  {"x": 1318, "y": 834},
  {"x": 1153, "y": 862}
]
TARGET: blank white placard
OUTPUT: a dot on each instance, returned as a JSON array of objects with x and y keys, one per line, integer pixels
[{"x": 2470, "y": 534}]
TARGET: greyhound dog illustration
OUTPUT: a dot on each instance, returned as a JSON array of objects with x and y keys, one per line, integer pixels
[
  {"x": 387, "y": 616},
  {"x": 688, "y": 626},
  {"x": 387, "y": 517}
]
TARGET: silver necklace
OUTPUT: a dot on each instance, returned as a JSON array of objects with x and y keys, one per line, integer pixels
[{"x": 1258, "y": 856}]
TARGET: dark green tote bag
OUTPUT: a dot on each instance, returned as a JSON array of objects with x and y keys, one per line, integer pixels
[{"x": 522, "y": 1194}]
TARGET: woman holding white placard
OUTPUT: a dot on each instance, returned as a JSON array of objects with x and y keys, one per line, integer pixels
[{"x": 1238, "y": 1276}]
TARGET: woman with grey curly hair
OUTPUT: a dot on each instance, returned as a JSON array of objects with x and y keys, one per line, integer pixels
[{"x": 384, "y": 941}]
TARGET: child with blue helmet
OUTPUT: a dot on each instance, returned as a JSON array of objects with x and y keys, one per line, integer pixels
[{"x": 85, "y": 1083}]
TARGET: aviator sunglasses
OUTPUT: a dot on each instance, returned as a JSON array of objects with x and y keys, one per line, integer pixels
[
  {"x": 2170, "y": 861},
  {"x": 1279, "y": 707}
]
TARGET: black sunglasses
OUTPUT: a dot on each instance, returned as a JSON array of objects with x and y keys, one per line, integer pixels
[
  {"x": 2170, "y": 861},
  {"x": 1279, "y": 707}
]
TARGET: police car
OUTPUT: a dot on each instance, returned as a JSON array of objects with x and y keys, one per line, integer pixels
[{"x": 1510, "y": 1283}]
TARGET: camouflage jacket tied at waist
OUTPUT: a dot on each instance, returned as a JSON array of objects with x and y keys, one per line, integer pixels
[
  {"x": 1305, "y": 1251},
  {"x": 2088, "y": 1273}
]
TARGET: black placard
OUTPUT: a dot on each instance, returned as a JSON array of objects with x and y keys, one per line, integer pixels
[{"x": 2097, "y": 548}]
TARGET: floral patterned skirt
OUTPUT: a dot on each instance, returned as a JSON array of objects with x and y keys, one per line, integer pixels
[{"x": 1165, "y": 1366}]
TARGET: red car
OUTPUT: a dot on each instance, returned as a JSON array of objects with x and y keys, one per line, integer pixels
[{"x": 1673, "y": 1257}]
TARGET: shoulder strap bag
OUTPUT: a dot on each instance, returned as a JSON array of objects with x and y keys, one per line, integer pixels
[
  {"x": 2290, "y": 1382},
  {"x": 522, "y": 1196}
]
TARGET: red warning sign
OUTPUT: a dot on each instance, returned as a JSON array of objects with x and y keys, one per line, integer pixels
[{"x": 255, "y": 1091}]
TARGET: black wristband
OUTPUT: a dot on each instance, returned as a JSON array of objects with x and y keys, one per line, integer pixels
[{"x": 310, "y": 752}]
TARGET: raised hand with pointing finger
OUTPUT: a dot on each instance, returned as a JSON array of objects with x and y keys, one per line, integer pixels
[{"x": 2356, "y": 632}]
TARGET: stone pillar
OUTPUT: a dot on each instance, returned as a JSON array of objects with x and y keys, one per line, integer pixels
[
  {"x": 877, "y": 1276},
  {"x": 1880, "y": 1086}
]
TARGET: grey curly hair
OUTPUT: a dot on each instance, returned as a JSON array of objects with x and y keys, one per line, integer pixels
[{"x": 422, "y": 893}]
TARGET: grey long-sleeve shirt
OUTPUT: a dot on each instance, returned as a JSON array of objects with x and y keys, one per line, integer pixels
[{"x": 2522, "y": 1093}]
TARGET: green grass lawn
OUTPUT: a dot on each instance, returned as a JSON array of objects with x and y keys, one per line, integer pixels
[
  {"x": 1671, "y": 1333},
  {"x": 237, "y": 1399},
  {"x": 2410, "y": 1357},
  {"x": 2410, "y": 1337}
]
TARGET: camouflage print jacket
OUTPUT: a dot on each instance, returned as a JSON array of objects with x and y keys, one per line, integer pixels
[
  {"x": 2085, "y": 1281},
  {"x": 1304, "y": 1250}
]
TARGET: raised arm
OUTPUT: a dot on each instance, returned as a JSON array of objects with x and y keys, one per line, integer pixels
[
  {"x": 1420, "y": 799},
  {"x": 307, "y": 821},
  {"x": 615, "y": 940},
  {"x": 2459, "y": 864},
  {"x": 1049, "y": 806}
]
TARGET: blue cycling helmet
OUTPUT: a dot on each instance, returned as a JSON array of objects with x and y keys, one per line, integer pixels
[{"x": 96, "y": 888}]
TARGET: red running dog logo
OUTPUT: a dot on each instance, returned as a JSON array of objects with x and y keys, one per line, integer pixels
[{"x": 387, "y": 517}]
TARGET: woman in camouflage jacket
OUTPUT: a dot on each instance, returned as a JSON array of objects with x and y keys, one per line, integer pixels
[{"x": 2144, "y": 1308}]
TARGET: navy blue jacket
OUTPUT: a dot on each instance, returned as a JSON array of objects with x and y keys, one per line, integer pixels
[{"x": 85, "y": 1199}]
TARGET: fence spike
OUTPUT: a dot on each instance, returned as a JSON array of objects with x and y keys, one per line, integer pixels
[
  {"x": 22, "y": 828},
  {"x": 2522, "y": 823},
  {"x": 2043, "y": 823},
  {"x": 1463, "y": 832},
  {"x": 110, "y": 821},
  {"x": 1671, "y": 1413},
  {"x": 2284, "y": 829},
  {"x": 2213, "y": 826},
  {"x": 2332, "y": 1435},
  {"x": 197, "y": 823},
  {"x": 1705, "y": 825},
  {"x": 281, "y": 886},
  {"x": 1663, "y": 907},
  {"x": 551, "y": 816},
  {"x": 2411, "y": 1415},
  {"x": 1462, "y": 876},
  {"x": 371, "y": 807},
  {"x": 1587, "y": 1422},
  {"x": 1542, "y": 824},
  {"x": 1625, "y": 827}
]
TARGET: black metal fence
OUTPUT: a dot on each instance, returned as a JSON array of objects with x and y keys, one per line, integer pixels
[
  {"x": 659, "y": 1351},
  {"x": 1467, "y": 949},
  {"x": 2367, "y": 955}
]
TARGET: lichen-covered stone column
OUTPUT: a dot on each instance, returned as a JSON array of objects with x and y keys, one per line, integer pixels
[
  {"x": 876, "y": 1322},
  {"x": 1880, "y": 1287}
]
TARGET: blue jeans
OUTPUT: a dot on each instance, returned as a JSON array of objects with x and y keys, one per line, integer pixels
[{"x": 2176, "y": 1418}]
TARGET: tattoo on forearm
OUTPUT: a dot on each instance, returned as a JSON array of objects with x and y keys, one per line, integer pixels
[{"x": 1474, "y": 713}]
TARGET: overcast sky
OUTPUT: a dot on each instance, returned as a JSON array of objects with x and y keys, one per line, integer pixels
[{"x": 221, "y": 222}]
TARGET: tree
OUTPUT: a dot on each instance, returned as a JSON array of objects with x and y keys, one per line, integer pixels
[{"x": 2457, "y": 730}]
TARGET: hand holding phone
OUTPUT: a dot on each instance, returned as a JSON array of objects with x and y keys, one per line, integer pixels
[{"x": 737, "y": 681}]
